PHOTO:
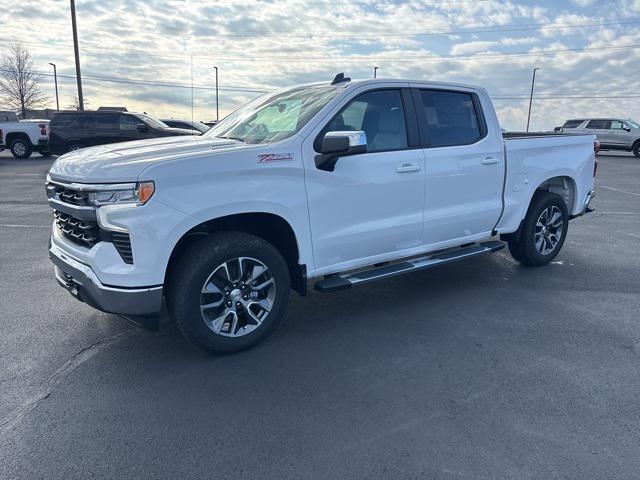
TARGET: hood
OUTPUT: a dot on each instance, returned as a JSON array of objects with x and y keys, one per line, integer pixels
[{"x": 124, "y": 162}]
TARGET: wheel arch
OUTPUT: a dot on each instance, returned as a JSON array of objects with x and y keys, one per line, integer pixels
[
  {"x": 268, "y": 226},
  {"x": 562, "y": 185},
  {"x": 11, "y": 136}
]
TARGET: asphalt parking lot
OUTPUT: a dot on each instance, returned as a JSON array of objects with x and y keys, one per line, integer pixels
[{"x": 479, "y": 369}]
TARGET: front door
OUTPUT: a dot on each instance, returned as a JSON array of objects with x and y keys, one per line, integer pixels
[
  {"x": 464, "y": 167},
  {"x": 371, "y": 205}
]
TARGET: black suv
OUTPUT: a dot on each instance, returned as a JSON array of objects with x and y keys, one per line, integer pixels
[{"x": 75, "y": 130}]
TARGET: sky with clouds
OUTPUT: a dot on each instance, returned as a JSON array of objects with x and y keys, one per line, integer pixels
[{"x": 145, "y": 54}]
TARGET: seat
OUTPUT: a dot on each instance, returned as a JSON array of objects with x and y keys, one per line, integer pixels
[{"x": 391, "y": 133}]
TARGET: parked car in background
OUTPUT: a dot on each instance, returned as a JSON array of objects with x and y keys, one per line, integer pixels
[
  {"x": 185, "y": 124},
  {"x": 341, "y": 182},
  {"x": 23, "y": 138},
  {"x": 210, "y": 124},
  {"x": 79, "y": 129},
  {"x": 612, "y": 133}
]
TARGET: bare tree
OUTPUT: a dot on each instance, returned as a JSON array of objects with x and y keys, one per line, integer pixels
[
  {"x": 75, "y": 104},
  {"x": 19, "y": 82}
]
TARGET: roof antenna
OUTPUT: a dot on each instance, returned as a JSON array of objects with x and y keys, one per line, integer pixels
[{"x": 339, "y": 78}]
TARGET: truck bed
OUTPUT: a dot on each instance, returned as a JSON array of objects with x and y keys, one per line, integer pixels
[{"x": 535, "y": 157}]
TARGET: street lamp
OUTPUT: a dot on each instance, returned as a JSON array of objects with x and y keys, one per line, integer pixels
[
  {"x": 375, "y": 69},
  {"x": 533, "y": 82},
  {"x": 217, "y": 104},
  {"x": 55, "y": 78}
]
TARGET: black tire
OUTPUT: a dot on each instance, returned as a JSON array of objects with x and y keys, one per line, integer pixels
[
  {"x": 75, "y": 146},
  {"x": 44, "y": 153},
  {"x": 194, "y": 268},
  {"x": 21, "y": 148},
  {"x": 525, "y": 249},
  {"x": 636, "y": 149}
]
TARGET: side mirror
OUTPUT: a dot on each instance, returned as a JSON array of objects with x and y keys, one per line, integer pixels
[
  {"x": 143, "y": 128},
  {"x": 626, "y": 128},
  {"x": 339, "y": 144}
]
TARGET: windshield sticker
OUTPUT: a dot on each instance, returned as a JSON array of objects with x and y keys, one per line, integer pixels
[{"x": 274, "y": 157}]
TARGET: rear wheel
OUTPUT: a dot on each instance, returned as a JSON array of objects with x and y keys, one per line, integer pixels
[
  {"x": 228, "y": 291},
  {"x": 543, "y": 231},
  {"x": 21, "y": 148}
]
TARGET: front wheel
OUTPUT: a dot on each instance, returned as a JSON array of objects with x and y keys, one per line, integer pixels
[
  {"x": 636, "y": 149},
  {"x": 543, "y": 232},
  {"x": 228, "y": 291},
  {"x": 21, "y": 148}
]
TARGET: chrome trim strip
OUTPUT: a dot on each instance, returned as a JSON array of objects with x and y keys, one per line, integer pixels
[{"x": 94, "y": 187}]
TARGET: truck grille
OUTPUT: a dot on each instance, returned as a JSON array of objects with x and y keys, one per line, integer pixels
[
  {"x": 79, "y": 232},
  {"x": 83, "y": 231},
  {"x": 68, "y": 195}
]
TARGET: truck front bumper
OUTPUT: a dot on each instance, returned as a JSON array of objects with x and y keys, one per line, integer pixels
[{"x": 81, "y": 282}]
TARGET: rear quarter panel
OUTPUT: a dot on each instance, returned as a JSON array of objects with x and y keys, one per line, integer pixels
[{"x": 531, "y": 161}]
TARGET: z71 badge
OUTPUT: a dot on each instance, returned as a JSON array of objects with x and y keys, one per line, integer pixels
[{"x": 274, "y": 157}]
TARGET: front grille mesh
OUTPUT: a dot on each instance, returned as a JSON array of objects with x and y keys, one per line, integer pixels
[{"x": 82, "y": 233}]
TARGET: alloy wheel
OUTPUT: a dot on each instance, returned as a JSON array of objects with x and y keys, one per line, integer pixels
[
  {"x": 19, "y": 149},
  {"x": 237, "y": 297},
  {"x": 549, "y": 229}
]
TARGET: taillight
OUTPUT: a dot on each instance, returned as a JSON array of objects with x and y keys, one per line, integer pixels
[
  {"x": 596, "y": 149},
  {"x": 43, "y": 129},
  {"x": 0, "y": 135},
  {"x": 596, "y": 146}
]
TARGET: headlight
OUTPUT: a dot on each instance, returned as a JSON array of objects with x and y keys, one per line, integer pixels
[{"x": 121, "y": 194}]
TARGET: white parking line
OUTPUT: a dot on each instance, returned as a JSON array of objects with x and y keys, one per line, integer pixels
[
  {"x": 620, "y": 191},
  {"x": 8, "y": 225}
]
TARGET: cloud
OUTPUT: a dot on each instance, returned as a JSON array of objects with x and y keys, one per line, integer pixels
[{"x": 267, "y": 45}]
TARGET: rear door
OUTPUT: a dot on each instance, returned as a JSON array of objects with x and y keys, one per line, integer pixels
[
  {"x": 106, "y": 128},
  {"x": 600, "y": 128},
  {"x": 465, "y": 165}
]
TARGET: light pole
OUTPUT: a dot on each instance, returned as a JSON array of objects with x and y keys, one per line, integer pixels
[
  {"x": 77, "y": 53},
  {"x": 217, "y": 105},
  {"x": 533, "y": 82},
  {"x": 375, "y": 69},
  {"x": 55, "y": 79}
]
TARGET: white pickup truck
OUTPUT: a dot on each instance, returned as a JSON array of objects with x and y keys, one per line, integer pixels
[
  {"x": 342, "y": 182},
  {"x": 23, "y": 137}
]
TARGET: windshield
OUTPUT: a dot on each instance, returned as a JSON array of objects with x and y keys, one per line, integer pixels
[
  {"x": 633, "y": 123},
  {"x": 152, "y": 122},
  {"x": 274, "y": 117}
]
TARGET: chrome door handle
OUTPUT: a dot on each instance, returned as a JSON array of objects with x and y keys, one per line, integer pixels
[
  {"x": 489, "y": 161},
  {"x": 408, "y": 168}
]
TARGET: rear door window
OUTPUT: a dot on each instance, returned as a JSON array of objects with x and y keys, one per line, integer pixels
[
  {"x": 599, "y": 124},
  {"x": 106, "y": 121},
  {"x": 451, "y": 118}
]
